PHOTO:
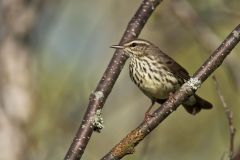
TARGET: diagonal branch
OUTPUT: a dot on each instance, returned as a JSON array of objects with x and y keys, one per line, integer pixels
[
  {"x": 127, "y": 144},
  {"x": 104, "y": 87}
]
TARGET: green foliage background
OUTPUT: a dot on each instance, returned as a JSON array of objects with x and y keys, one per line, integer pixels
[{"x": 73, "y": 54}]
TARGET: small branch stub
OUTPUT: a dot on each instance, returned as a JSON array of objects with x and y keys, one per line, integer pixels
[{"x": 98, "y": 95}]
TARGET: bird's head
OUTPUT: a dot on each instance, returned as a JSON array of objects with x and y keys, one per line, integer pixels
[{"x": 135, "y": 48}]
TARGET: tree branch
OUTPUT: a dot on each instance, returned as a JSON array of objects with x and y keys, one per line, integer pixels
[
  {"x": 127, "y": 144},
  {"x": 104, "y": 87},
  {"x": 229, "y": 116}
]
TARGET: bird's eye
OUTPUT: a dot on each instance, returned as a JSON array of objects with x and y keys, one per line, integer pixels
[{"x": 133, "y": 45}]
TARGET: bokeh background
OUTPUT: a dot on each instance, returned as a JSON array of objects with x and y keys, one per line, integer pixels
[{"x": 53, "y": 54}]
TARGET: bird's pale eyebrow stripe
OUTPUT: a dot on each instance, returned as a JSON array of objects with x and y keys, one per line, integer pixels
[{"x": 138, "y": 42}]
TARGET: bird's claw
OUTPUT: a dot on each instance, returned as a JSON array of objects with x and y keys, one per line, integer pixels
[
  {"x": 171, "y": 97},
  {"x": 147, "y": 116}
]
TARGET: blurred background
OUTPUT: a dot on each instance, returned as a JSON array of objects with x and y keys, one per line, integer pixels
[{"x": 53, "y": 53}]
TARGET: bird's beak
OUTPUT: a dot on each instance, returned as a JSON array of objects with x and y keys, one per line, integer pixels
[{"x": 117, "y": 47}]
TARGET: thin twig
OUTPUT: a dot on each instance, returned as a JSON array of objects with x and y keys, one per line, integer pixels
[
  {"x": 127, "y": 144},
  {"x": 229, "y": 116},
  {"x": 104, "y": 87}
]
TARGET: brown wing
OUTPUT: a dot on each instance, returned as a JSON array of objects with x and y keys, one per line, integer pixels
[{"x": 175, "y": 68}]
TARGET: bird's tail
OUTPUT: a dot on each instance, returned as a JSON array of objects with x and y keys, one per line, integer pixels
[{"x": 195, "y": 103}]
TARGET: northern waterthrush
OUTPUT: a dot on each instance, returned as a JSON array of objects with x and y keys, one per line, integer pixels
[{"x": 157, "y": 75}]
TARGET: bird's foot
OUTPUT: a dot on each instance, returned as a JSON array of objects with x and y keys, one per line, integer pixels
[
  {"x": 171, "y": 97},
  {"x": 147, "y": 116}
]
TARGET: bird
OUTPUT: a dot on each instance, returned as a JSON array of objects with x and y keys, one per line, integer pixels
[{"x": 157, "y": 75}]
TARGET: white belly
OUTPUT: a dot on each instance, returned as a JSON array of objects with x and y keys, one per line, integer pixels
[{"x": 155, "y": 89}]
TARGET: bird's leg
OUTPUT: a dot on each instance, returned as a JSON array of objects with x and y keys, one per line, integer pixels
[{"x": 147, "y": 113}]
